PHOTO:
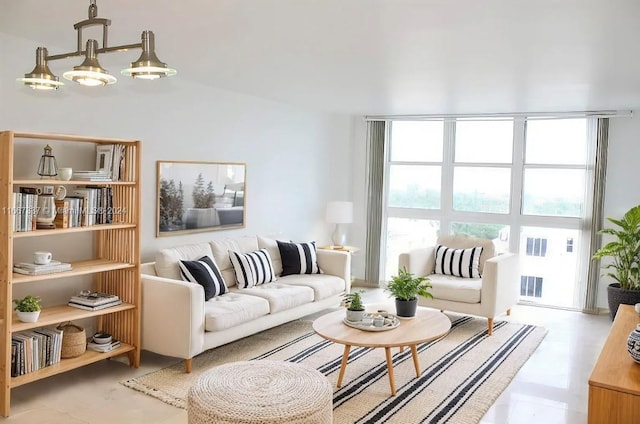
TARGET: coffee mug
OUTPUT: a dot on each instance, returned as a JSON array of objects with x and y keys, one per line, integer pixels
[
  {"x": 65, "y": 173},
  {"x": 41, "y": 258},
  {"x": 378, "y": 321}
]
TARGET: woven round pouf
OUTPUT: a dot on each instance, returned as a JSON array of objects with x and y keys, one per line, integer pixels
[{"x": 261, "y": 392}]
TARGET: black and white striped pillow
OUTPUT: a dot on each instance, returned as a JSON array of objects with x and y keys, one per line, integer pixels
[
  {"x": 252, "y": 269},
  {"x": 205, "y": 272},
  {"x": 298, "y": 258},
  {"x": 458, "y": 262}
]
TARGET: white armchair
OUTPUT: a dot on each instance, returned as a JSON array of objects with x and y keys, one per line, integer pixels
[{"x": 494, "y": 293}]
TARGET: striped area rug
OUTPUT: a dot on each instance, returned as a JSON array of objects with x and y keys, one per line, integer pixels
[{"x": 462, "y": 373}]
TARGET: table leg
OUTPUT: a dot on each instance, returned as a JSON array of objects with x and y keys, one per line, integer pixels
[
  {"x": 343, "y": 365},
  {"x": 416, "y": 360},
  {"x": 392, "y": 383}
]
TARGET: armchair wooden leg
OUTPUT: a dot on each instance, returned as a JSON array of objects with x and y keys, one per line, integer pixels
[
  {"x": 187, "y": 365},
  {"x": 509, "y": 311},
  {"x": 490, "y": 322}
]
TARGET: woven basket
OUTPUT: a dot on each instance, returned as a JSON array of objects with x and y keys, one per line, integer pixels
[{"x": 74, "y": 340}]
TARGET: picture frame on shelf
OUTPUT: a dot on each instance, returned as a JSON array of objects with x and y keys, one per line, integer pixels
[
  {"x": 199, "y": 196},
  {"x": 104, "y": 159}
]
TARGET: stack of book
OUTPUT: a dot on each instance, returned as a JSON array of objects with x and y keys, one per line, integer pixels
[
  {"x": 94, "y": 301},
  {"x": 103, "y": 347},
  {"x": 28, "y": 268},
  {"x": 97, "y": 176},
  {"x": 36, "y": 349}
]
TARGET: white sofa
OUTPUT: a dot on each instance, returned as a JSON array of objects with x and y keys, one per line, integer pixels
[
  {"x": 494, "y": 293},
  {"x": 176, "y": 320}
]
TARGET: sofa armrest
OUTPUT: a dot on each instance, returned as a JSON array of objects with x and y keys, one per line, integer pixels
[
  {"x": 500, "y": 283},
  {"x": 172, "y": 316},
  {"x": 419, "y": 262},
  {"x": 336, "y": 262}
]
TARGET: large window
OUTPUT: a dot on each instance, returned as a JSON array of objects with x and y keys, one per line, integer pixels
[{"x": 520, "y": 183}]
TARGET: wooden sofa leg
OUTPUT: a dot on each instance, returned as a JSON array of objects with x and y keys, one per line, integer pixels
[
  {"x": 490, "y": 322},
  {"x": 509, "y": 311},
  {"x": 187, "y": 365}
]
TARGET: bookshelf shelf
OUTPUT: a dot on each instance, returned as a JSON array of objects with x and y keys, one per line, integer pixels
[{"x": 115, "y": 267}]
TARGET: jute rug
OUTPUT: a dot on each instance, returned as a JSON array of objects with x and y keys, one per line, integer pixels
[{"x": 462, "y": 373}]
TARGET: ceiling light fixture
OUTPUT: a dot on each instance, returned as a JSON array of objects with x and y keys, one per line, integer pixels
[{"x": 90, "y": 73}]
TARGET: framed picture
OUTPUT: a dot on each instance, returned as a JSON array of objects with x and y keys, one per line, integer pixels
[
  {"x": 199, "y": 196},
  {"x": 104, "y": 158}
]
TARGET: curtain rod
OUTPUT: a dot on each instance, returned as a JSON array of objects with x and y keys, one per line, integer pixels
[{"x": 505, "y": 116}]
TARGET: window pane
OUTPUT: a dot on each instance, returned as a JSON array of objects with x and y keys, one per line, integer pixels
[
  {"x": 484, "y": 141},
  {"x": 414, "y": 186},
  {"x": 417, "y": 141},
  {"x": 481, "y": 189},
  {"x": 552, "y": 272},
  {"x": 561, "y": 141},
  {"x": 544, "y": 196},
  {"x": 406, "y": 234}
]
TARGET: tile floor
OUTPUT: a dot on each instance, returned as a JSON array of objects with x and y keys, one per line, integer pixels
[{"x": 550, "y": 388}]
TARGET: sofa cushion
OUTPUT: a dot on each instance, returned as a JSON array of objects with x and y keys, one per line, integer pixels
[
  {"x": 252, "y": 269},
  {"x": 272, "y": 247},
  {"x": 281, "y": 296},
  {"x": 298, "y": 258},
  {"x": 206, "y": 273},
  {"x": 220, "y": 249},
  {"x": 167, "y": 259},
  {"x": 455, "y": 289},
  {"x": 323, "y": 285},
  {"x": 458, "y": 262},
  {"x": 232, "y": 309}
]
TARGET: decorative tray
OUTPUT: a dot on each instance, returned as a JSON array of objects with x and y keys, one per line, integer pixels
[{"x": 390, "y": 322}]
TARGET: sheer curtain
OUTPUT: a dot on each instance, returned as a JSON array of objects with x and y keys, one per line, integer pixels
[
  {"x": 600, "y": 175},
  {"x": 375, "y": 189}
]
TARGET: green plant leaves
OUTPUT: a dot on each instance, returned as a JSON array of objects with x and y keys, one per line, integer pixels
[{"x": 405, "y": 286}]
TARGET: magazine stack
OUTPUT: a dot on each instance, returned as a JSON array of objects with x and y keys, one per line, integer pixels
[
  {"x": 93, "y": 301},
  {"x": 52, "y": 267}
]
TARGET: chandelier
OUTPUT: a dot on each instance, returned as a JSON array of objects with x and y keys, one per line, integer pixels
[{"x": 89, "y": 72}]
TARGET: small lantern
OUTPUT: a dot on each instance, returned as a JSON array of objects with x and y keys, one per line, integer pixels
[{"x": 47, "y": 168}]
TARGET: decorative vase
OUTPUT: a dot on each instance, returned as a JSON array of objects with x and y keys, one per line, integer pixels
[
  {"x": 354, "y": 316},
  {"x": 633, "y": 344},
  {"x": 28, "y": 316},
  {"x": 406, "y": 308}
]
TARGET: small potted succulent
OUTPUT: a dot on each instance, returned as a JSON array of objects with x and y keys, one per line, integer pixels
[
  {"x": 28, "y": 308},
  {"x": 406, "y": 288},
  {"x": 355, "y": 308}
]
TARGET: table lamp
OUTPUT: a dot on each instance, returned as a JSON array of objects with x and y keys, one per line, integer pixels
[{"x": 339, "y": 213}]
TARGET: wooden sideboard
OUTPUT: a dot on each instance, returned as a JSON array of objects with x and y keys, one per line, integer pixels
[{"x": 614, "y": 385}]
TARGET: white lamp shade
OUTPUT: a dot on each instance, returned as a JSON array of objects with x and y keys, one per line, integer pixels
[{"x": 339, "y": 212}]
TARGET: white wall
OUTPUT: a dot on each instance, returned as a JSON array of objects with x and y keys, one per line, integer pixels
[{"x": 296, "y": 160}]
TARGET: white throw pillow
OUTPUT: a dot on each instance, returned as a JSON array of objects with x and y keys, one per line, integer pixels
[
  {"x": 252, "y": 269},
  {"x": 458, "y": 262}
]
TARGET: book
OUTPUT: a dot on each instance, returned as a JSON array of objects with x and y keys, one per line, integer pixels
[
  {"x": 96, "y": 307},
  {"x": 25, "y": 271},
  {"x": 31, "y": 265},
  {"x": 94, "y": 299},
  {"x": 104, "y": 347}
]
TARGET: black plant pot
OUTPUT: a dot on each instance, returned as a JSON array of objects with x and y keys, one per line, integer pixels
[
  {"x": 617, "y": 296},
  {"x": 406, "y": 308}
]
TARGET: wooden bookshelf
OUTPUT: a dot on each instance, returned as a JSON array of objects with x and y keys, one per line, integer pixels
[{"x": 115, "y": 267}]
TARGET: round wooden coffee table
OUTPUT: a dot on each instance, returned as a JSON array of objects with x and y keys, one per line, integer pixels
[{"x": 428, "y": 324}]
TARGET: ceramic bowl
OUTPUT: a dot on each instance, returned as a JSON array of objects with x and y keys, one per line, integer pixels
[{"x": 102, "y": 338}]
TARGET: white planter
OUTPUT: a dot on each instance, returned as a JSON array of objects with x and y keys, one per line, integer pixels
[
  {"x": 355, "y": 316},
  {"x": 201, "y": 218},
  {"x": 28, "y": 316}
]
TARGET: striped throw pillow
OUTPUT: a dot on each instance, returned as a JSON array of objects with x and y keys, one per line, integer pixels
[
  {"x": 252, "y": 269},
  {"x": 458, "y": 262},
  {"x": 205, "y": 272},
  {"x": 298, "y": 258}
]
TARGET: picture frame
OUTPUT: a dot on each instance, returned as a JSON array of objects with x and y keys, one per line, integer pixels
[
  {"x": 195, "y": 196},
  {"x": 104, "y": 159}
]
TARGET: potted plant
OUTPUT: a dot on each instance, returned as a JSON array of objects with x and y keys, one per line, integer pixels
[
  {"x": 355, "y": 308},
  {"x": 624, "y": 252},
  {"x": 28, "y": 308},
  {"x": 406, "y": 288}
]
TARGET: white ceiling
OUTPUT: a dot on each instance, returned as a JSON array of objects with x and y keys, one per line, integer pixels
[{"x": 375, "y": 56}]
